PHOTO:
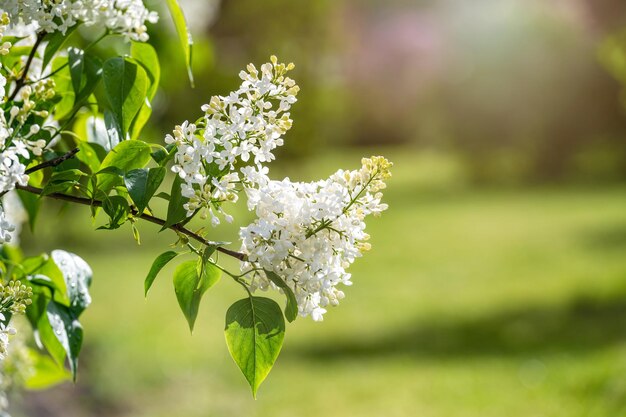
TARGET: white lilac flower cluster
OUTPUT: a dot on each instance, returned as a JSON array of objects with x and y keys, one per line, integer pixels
[
  {"x": 310, "y": 233},
  {"x": 17, "y": 146},
  {"x": 125, "y": 17},
  {"x": 242, "y": 128},
  {"x": 5, "y": 332}
]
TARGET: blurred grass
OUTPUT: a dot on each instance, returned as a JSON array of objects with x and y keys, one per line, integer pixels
[{"x": 472, "y": 303}]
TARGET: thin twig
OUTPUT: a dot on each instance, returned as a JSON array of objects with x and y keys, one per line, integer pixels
[
  {"x": 53, "y": 162},
  {"x": 20, "y": 82},
  {"x": 144, "y": 216}
]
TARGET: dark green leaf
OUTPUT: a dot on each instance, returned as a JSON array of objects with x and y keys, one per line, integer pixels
[
  {"x": 142, "y": 184},
  {"x": 67, "y": 175},
  {"x": 76, "y": 61},
  {"x": 191, "y": 280},
  {"x": 158, "y": 264},
  {"x": 116, "y": 207},
  {"x": 175, "y": 210},
  {"x": 163, "y": 156},
  {"x": 55, "y": 41},
  {"x": 255, "y": 329},
  {"x": 85, "y": 71},
  {"x": 59, "y": 187}
]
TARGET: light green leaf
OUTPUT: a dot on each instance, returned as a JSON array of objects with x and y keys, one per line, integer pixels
[
  {"x": 44, "y": 372},
  {"x": 147, "y": 57},
  {"x": 57, "y": 282},
  {"x": 126, "y": 156},
  {"x": 88, "y": 156},
  {"x": 184, "y": 35},
  {"x": 191, "y": 280},
  {"x": 158, "y": 264},
  {"x": 255, "y": 330},
  {"x": 63, "y": 87}
]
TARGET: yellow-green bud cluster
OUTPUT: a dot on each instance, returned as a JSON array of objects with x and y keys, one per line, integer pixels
[{"x": 15, "y": 297}]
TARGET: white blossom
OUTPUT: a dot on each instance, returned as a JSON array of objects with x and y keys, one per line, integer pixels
[
  {"x": 6, "y": 228},
  {"x": 15, "y": 215},
  {"x": 242, "y": 128},
  {"x": 310, "y": 233},
  {"x": 125, "y": 17},
  {"x": 18, "y": 144},
  {"x": 5, "y": 332}
]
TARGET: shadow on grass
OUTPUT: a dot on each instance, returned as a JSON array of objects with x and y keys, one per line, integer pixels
[{"x": 585, "y": 324}]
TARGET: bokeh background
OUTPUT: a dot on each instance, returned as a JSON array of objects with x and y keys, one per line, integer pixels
[{"x": 497, "y": 280}]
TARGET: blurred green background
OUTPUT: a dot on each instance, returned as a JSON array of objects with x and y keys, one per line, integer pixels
[{"x": 497, "y": 280}]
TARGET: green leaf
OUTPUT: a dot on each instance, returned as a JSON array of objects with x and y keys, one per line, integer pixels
[
  {"x": 63, "y": 87},
  {"x": 116, "y": 207},
  {"x": 58, "y": 328},
  {"x": 47, "y": 336},
  {"x": 85, "y": 71},
  {"x": 88, "y": 156},
  {"x": 184, "y": 35},
  {"x": 44, "y": 373},
  {"x": 142, "y": 184},
  {"x": 147, "y": 57},
  {"x": 55, "y": 41},
  {"x": 255, "y": 329},
  {"x": 163, "y": 155},
  {"x": 77, "y": 275},
  {"x": 67, "y": 175},
  {"x": 59, "y": 323},
  {"x": 291, "y": 310},
  {"x": 126, "y": 85},
  {"x": 59, "y": 187},
  {"x": 191, "y": 280},
  {"x": 126, "y": 156},
  {"x": 176, "y": 211},
  {"x": 39, "y": 299},
  {"x": 31, "y": 204},
  {"x": 158, "y": 264},
  {"x": 56, "y": 280},
  {"x": 76, "y": 61}
]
